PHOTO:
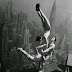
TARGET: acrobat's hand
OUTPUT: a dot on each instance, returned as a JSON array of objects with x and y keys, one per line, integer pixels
[
  {"x": 42, "y": 51},
  {"x": 37, "y": 7},
  {"x": 19, "y": 49}
]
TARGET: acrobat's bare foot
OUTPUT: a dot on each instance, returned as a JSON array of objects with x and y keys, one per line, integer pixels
[{"x": 19, "y": 49}]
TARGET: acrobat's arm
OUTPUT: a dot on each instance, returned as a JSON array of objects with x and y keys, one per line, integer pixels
[
  {"x": 41, "y": 46},
  {"x": 51, "y": 47}
]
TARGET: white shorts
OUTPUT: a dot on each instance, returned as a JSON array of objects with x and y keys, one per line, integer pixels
[{"x": 46, "y": 34}]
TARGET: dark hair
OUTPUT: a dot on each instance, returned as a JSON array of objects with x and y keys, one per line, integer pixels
[
  {"x": 38, "y": 38},
  {"x": 55, "y": 39},
  {"x": 38, "y": 5}
]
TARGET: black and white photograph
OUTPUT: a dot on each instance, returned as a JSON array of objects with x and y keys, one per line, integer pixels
[{"x": 36, "y": 35}]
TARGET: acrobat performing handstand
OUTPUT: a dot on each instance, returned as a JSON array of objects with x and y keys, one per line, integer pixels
[
  {"x": 45, "y": 24},
  {"x": 41, "y": 57},
  {"x": 47, "y": 28}
]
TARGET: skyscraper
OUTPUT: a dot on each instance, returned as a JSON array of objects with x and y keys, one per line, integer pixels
[
  {"x": 9, "y": 11},
  {"x": 52, "y": 18},
  {"x": 26, "y": 37}
]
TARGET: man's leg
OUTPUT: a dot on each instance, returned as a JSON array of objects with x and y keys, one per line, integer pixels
[
  {"x": 28, "y": 55},
  {"x": 41, "y": 68},
  {"x": 44, "y": 19},
  {"x": 34, "y": 58},
  {"x": 45, "y": 22}
]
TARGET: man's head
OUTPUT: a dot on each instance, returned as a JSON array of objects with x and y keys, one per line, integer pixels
[
  {"x": 53, "y": 39},
  {"x": 39, "y": 38}
]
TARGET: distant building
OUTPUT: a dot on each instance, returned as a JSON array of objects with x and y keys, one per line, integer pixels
[
  {"x": 21, "y": 22},
  {"x": 57, "y": 41},
  {"x": 9, "y": 11},
  {"x": 26, "y": 37},
  {"x": 63, "y": 43},
  {"x": 4, "y": 45}
]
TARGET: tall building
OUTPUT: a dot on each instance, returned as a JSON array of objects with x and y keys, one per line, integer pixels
[
  {"x": 21, "y": 22},
  {"x": 57, "y": 40},
  {"x": 52, "y": 18},
  {"x": 26, "y": 37},
  {"x": 63, "y": 43},
  {"x": 5, "y": 45},
  {"x": 9, "y": 11}
]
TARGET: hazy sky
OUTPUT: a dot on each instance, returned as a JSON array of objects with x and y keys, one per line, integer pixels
[
  {"x": 29, "y": 5},
  {"x": 63, "y": 6}
]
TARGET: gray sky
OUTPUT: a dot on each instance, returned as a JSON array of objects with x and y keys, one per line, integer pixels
[
  {"x": 63, "y": 6},
  {"x": 29, "y": 5}
]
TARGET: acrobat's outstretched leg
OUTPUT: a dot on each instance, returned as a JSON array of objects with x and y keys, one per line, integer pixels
[
  {"x": 45, "y": 22},
  {"x": 34, "y": 58},
  {"x": 28, "y": 55}
]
